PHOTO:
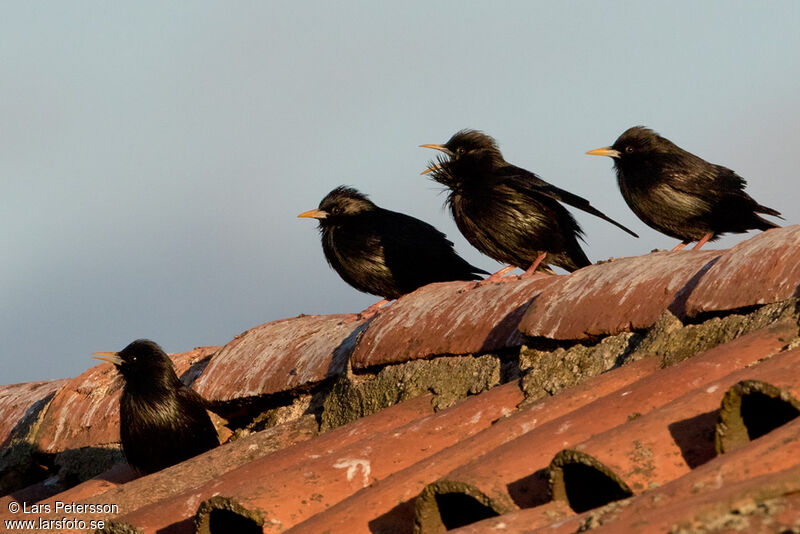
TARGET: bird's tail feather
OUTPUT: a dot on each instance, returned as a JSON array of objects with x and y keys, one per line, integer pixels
[{"x": 768, "y": 211}]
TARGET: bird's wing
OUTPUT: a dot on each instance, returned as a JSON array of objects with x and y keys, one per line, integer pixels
[
  {"x": 417, "y": 240},
  {"x": 526, "y": 181},
  {"x": 719, "y": 186},
  {"x": 706, "y": 180}
]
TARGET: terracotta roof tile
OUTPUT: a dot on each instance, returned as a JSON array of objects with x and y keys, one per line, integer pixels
[
  {"x": 208, "y": 466},
  {"x": 333, "y": 474},
  {"x": 623, "y": 295},
  {"x": 379, "y": 505},
  {"x": 518, "y": 466},
  {"x": 173, "y": 512},
  {"x": 653, "y": 510},
  {"x": 449, "y": 318},
  {"x": 280, "y": 356},
  {"x": 524, "y": 520},
  {"x": 659, "y": 446},
  {"x": 770, "y": 453},
  {"x": 47, "y": 489},
  {"x": 17, "y": 399},
  {"x": 760, "y": 270}
]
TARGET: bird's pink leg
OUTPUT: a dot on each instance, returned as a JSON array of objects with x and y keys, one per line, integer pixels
[
  {"x": 499, "y": 274},
  {"x": 532, "y": 269},
  {"x": 679, "y": 246},
  {"x": 703, "y": 241}
]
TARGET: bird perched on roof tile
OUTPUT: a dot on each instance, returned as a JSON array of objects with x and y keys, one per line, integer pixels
[
  {"x": 383, "y": 252},
  {"x": 680, "y": 194},
  {"x": 162, "y": 421},
  {"x": 507, "y": 212}
]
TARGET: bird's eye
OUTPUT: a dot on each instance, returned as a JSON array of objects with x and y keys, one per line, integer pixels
[
  {"x": 628, "y": 149},
  {"x": 459, "y": 151}
]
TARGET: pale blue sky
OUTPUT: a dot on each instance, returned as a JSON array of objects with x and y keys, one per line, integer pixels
[{"x": 154, "y": 156}]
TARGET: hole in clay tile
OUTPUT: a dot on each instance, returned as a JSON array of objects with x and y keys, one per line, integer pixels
[
  {"x": 589, "y": 488},
  {"x": 459, "y": 509},
  {"x": 225, "y": 521},
  {"x": 221, "y": 515},
  {"x": 750, "y": 409},
  {"x": 584, "y": 482},
  {"x": 762, "y": 413}
]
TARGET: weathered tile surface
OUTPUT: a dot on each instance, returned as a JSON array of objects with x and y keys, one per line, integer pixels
[
  {"x": 280, "y": 355},
  {"x": 449, "y": 318},
  {"x": 760, "y": 270},
  {"x": 17, "y": 399},
  {"x": 623, "y": 295}
]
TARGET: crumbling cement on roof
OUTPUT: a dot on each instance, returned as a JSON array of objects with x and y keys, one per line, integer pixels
[
  {"x": 673, "y": 341},
  {"x": 448, "y": 378},
  {"x": 273, "y": 416},
  {"x": 76, "y": 465},
  {"x": 549, "y": 367},
  {"x": 546, "y": 372},
  {"x": 605, "y": 514}
]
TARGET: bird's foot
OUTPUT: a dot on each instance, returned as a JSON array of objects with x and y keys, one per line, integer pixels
[
  {"x": 703, "y": 241},
  {"x": 372, "y": 310},
  {"x": 496, "y": 277}
]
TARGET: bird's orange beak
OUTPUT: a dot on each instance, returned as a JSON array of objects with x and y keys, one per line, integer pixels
[
  {"x": 110, "y": 357},
  {"x": 605, "y": 151},
  {"x": 440, "y": 148},
  {"x": 313, "y": 214}
]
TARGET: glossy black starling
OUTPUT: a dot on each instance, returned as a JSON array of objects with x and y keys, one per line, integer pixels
[
  {"x": 680, "y": 194},
  {"x": 507, "y": 212},
  {"x": 383, "y": 252},
  {"x": 162, "y": 421}
]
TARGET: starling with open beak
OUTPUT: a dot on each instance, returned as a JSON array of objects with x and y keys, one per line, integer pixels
[
  {"x": 507, "y": 212},
  {"x": 680, "y": 194},
  {"x": 162, "y": 421},
  {"x": 383, "y": 252}
]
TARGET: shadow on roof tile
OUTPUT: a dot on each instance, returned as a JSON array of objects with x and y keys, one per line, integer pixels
[
  {"x": 377, "y": 507},
  {"x": 493, "y": 473},
  {"x": 661, "y": 445}
]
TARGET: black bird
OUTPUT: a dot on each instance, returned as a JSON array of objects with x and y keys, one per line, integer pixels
[
  {"x": 680, "y": 194},
  {"x": 162, "y": 421},
  {"x": 507, "y": 212},
  {"x": 383, "y": 252}
]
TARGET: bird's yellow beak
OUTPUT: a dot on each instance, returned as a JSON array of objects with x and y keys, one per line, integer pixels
[
  {"x": 440, "y": 148},
  {"x": 313, "y": 214},
  {"x": 110, "y": 357},
  {"x": 605, "y": 151}
]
